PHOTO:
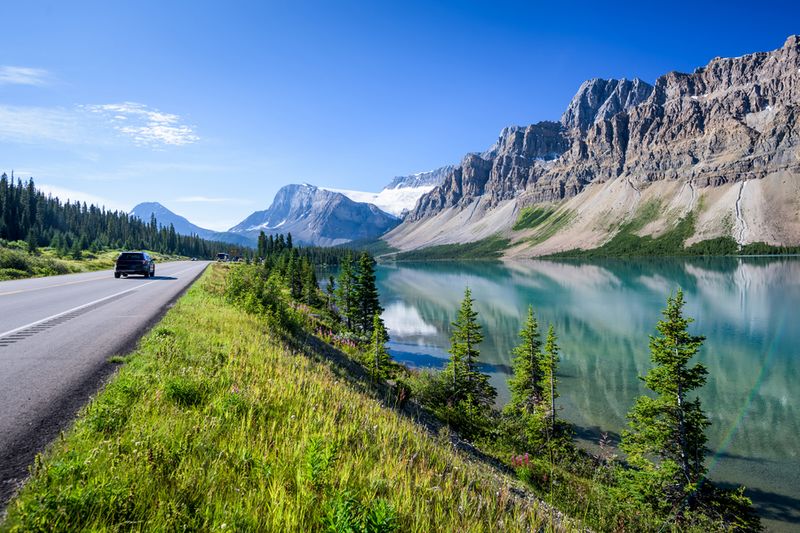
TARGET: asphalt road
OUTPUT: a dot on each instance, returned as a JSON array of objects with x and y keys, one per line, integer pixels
[{"x": 56, "y": 335}]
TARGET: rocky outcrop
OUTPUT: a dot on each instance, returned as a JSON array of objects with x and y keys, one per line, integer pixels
[
  {"x": 732, "y": 120},
  {"x": 517, "y": 159},
  {"x": 598, "y": 100},
  {"x": 318, "y": 217}
]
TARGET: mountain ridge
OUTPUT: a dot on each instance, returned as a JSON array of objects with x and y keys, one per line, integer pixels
[
  {"x": 688, "y": 141},
  {"x": 183, "y": 226}
]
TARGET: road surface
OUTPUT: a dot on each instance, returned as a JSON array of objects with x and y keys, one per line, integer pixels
[{"x": 56, "y": 335}]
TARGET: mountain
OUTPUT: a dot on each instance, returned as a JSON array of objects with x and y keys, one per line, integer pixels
[
  {"x": 402, "y": 193},
  {"x": 165, "y": 217},
  {"x": 721, "y": 144},
  {"x": 317, "y": 216}
]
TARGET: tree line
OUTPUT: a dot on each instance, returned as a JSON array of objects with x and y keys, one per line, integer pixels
[{"x": 28, "y": 214}]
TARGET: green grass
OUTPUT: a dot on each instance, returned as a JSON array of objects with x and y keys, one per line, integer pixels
[
  {"x": 531, "y": 217},
  {"x": 626, "y": 243},
  {"x": 17, "y": 263},
  {"x": 488, "y": 248},
  {"x": 672, "y": 242},
  {"x": 214, "y": 424}
]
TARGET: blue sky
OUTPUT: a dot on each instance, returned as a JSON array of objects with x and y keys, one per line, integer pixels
[{"x": 209, "y": 108}]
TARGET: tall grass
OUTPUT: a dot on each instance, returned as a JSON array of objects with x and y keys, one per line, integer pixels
[{"x": 214, "y": 425}]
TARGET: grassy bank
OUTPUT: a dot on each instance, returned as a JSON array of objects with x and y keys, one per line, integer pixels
[
  {"x": 17, "y": 263},
  {"x": 214, "y": 424}
]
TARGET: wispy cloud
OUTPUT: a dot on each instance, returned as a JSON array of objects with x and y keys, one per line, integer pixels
[
  {"x": 145, "y": 125},
  {"x": 23, "y": 76},
  {"x": 213, "y": 200},
  {"x": 34, "y": 124}
]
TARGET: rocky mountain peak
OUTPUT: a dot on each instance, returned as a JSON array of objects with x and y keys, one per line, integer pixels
[
  {"x": 317, "y": 216},
  {"x": 599, "y": 99}
]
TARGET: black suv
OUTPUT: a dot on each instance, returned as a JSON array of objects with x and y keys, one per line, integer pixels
[{"x": 135, "y": 263}]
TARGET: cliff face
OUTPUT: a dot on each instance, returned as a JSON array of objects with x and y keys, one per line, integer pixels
[{"x": 732, "y": 120}]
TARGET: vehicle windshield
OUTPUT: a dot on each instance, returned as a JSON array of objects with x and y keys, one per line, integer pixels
[{"x": 130, "y": 257}]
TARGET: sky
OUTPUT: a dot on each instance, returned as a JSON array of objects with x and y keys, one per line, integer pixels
[{"x": 210, "y": 107}]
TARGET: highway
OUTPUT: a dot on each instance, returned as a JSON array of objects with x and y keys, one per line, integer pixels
[{"x": 56, "y": 336}]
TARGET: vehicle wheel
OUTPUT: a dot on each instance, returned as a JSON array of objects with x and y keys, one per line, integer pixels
[
  {"x": 116, "y": 275},
  {"x": 153, "y": 273},
  {"x": 146, "y": 274},
  {"x": 124, "y": 275}
]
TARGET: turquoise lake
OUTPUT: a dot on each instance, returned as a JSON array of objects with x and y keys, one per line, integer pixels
[{"x": 603, "y": 312}]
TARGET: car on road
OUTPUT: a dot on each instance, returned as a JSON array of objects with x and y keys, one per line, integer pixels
[
  {"x": 222, "y": 257},
  {"x": 135, "y": 263}
]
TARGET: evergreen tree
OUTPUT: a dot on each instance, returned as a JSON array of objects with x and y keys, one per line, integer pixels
[
  {"x": 310, "y": 285},
  {"x": 527, "y": 383},
  {"x": 330, "y": 292},
  {"x": 526, "y": 409},
  {"x": 289, "y": 241},
  {"x": 366, "y": 293},
  {"x": 466, "y": 382},
  {"x": 379, "y": 357},
  {"x": 32, "y": 242},
  {"x": 345, "y": 292},
  {"x": 261, "y": 249},
  {"x": 550, "y": 382},
  {"x": 666, "y": 442}
]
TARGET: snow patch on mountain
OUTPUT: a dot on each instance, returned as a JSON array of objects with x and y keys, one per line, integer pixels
[{"x": 393, "y": 201}]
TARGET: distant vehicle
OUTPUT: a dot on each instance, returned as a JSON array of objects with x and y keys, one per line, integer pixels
[
  {"x": 135, "y": 263},
  {"x": 194, "y": 259},
  {"x": 222, "y": 257}
]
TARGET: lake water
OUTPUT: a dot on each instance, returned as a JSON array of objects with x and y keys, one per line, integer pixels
[{"x": 603, "y": 312}]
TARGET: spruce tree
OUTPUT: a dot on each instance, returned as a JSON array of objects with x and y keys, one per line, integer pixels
[
  {"x": 526, "y": 410},
  {"x": 666, "y": 442},
  {"x": 526, "y": 385},
  {"x": 366, "y": 293},
  {"x": 550, "y": 382},
  {"x": 330, "y": 292},
  {"x": 345, "y": 292},
  {"x": 310, "y": 285},
  {"x": 378, "y": 357},
  {"x": 466, "y": 382}
]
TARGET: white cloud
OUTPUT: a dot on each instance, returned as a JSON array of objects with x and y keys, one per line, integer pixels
[
  {"x": 145, "y": 125},
  {"x": 68, "y": 194},
  {"x": 23, "y": 76},
  {"x": 30, "y": 124},
  {"x": 213, "y": 200}
]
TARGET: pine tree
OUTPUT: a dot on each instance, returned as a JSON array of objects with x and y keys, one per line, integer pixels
[
  {"x": 366, "y": 293},
  {"x": 345, "y": 292},
  {"x": 526, "y": 385},
  {"x": 310, "y": 285},
  {"x": 550, "y": 382},
  {"x": 330, "y": 291},
  {"x": 466, "y": 382},
  {"x": 670, "y": 427},
  {"x": 379, "y": 357}
]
